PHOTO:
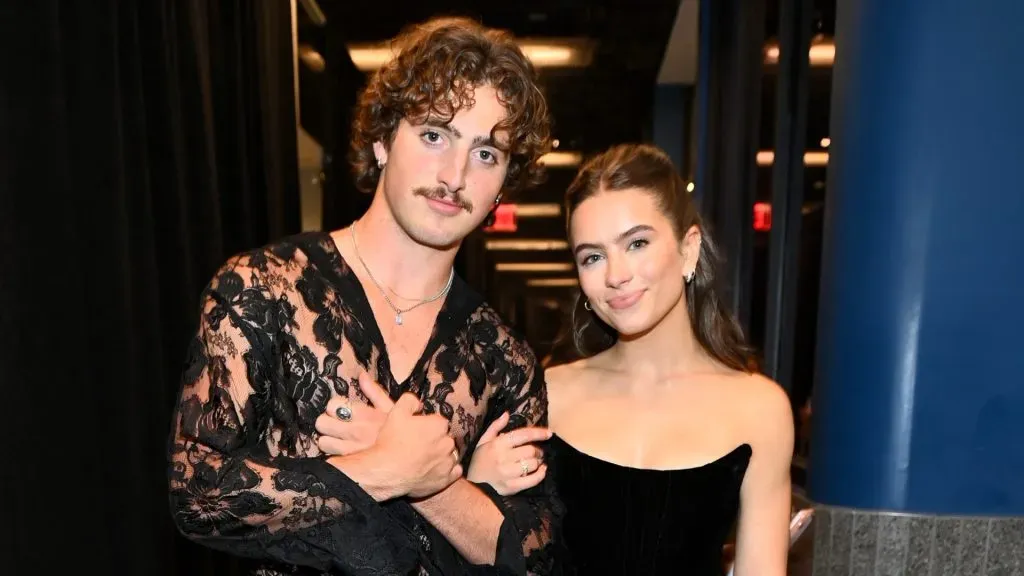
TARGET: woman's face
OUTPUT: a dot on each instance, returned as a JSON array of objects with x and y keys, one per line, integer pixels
[{"x": 631, "y": 264}]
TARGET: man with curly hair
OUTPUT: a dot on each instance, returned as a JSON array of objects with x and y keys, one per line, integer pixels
[{"x": 338, "y": 382}]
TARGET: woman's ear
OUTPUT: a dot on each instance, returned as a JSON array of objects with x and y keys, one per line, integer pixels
[{"x": 690, "y": 250}]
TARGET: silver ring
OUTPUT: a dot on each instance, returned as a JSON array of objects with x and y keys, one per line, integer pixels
[
  {"x": 524, "y": 467},
  {"x": 344, "y": 413}
]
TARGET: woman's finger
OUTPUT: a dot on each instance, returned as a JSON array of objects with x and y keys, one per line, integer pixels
[
  {"x": 527, "y": 435},
  {"x": 517, "y": 485},
  {"x": 528, "y": 451}
]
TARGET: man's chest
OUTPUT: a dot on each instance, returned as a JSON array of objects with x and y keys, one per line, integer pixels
[{"x": 448, "y": 378}]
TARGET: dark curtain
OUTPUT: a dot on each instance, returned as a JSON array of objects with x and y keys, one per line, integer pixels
[
  {"x": 342, "y": 202},
  {"x": 143, "y": 143}
]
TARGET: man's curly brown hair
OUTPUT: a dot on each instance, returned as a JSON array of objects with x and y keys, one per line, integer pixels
[{"x": 439, "y": 64}]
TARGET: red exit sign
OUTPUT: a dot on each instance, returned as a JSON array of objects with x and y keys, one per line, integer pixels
[
  {"x": 762, "y": 216},
  {"x": 504, "y": 219}
]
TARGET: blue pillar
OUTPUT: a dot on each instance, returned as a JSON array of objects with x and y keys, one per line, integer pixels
[
  {"x": 670, "y": 129},
  {"x": 918, "y": 440}
]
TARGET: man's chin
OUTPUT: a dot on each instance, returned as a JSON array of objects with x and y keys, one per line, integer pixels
[{"x": 438, "y": 239}]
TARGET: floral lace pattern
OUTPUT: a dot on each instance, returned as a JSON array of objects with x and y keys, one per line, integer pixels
[{"x": 285, "y": 328}]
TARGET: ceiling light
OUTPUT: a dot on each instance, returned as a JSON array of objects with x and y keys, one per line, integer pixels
[
  {"x": 561, "y": 159},
  {"x": 521, "y": 245},
  {"x": 690, "y": 186},
  {"x": 820, "y": 54},
  {"x": 368, "y": 58},
  {"x": 549, "y": 56},
  {"x": 826, "y": 142},
  {"x": 538, "y": 210},
  {"x": 816, "y": 158},
  {"x": 767, "y": 158},
  {"x": 533, "y": 267},
  {"x": 547, "y": 53},
  {"x": 310, "y": 57},
  {"x": 552, "y": 282},
  {"x": 823, "y": 54}
]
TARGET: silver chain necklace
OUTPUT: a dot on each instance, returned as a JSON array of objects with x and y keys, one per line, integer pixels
[{"x": 398, "y": 311}]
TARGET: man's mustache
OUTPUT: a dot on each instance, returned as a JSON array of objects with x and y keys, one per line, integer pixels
[{"x": 439, "y": 193}]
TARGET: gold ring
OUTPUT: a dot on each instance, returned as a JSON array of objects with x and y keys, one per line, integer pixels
[{"x": 524, "y": 467}]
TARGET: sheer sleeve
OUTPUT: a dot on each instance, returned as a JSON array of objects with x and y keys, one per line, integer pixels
[
  {"x": 533, "y": 517},
  {"x": 230, "y": 492}
]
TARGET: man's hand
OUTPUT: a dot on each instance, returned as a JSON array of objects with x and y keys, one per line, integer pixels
[
  {"x": 510, "y": 462},
  {"x": 413, "y": 455},
  {"x": 344, "y": 437}
]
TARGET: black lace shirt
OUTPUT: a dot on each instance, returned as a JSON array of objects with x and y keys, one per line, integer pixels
[{"x": 282, "y": 330}]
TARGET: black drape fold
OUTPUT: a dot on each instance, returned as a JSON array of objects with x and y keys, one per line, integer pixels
[{"x": 143, "y": 143}]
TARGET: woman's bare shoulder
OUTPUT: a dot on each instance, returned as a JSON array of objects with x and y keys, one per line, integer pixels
[
  {"x": 565, "y": 374},
  {"x": 764, "y": 407}
]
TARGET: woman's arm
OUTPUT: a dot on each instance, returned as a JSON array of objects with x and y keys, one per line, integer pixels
[{"x": 762, "y": 541}]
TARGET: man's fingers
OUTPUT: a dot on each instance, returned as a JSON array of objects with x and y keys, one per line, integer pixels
[
  {"x": 374, "y": 393},
  {"x": 455, "y": 473},
  {"x": 408, "y": 404},
  {"x": 336, "y": 447},
  {"x": 329, "y": 425}
]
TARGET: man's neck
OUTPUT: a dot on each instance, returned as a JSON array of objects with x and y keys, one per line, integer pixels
[{"x": 396, "y": 261}]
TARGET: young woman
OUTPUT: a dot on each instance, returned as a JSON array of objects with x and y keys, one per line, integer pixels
[{"x": 663, "y": 437}]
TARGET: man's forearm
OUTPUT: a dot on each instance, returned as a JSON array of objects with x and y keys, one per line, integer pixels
[{"x": 467, "y": 518}]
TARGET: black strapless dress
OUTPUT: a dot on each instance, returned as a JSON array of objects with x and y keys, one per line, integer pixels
[{"x": 633, "y": 522}]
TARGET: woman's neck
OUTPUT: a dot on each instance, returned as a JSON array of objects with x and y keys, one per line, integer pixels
[{"x": 669, "y": 348}]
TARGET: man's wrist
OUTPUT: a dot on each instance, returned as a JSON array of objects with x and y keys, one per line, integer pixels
[
  {"x": 426, "y": 501},
  {"x": 362, "y": 470}
]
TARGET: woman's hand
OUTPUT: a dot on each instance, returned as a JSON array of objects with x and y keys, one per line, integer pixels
[{"x": 509, "y": 462}]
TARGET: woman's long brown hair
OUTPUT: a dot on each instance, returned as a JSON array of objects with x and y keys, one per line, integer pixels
[{"x": 648, "y": 168}]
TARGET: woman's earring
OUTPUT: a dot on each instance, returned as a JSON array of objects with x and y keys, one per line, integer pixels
[
  {"x": 586, "y": 305},
  {"x": 380, "y": 163},
  {"x": 689, "y": 277}
]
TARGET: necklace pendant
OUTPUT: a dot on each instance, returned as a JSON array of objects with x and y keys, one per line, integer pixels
[{"x": 398, "y": 318}]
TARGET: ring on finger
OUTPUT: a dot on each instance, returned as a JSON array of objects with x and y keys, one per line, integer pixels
[
  {"x": 524, "y": 467},
  {"x": 344, "y": 413}
]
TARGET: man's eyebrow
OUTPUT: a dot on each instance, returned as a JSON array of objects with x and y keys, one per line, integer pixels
[
  {"x": 488, "y": 140},
  {"x": 444, "y": 126}
]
